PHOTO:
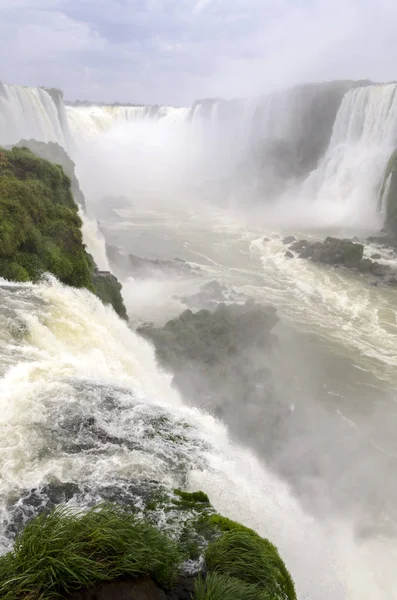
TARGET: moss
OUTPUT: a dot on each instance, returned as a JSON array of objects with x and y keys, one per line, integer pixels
[
  {"x": 192, "y": 499},
  {"x": 246, "y": 556},
  {"x": 225, "y": 524},
  {"x": 108, "y": 289}
]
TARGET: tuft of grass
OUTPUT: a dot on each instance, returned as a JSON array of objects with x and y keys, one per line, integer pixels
[
  {"x": 251, "y": 559},
  {"x": 222, "y": 587},
  {"x": 61, "y": 551}
]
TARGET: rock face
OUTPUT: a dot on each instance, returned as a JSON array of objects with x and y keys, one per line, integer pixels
[
  {"x": 56, "y": 155},
  {"x": 108, "y": 289},
  {"x": 40, "y": 228},
  {"x": 219, "y": 358},
  {"x": 388, "y": 194}
]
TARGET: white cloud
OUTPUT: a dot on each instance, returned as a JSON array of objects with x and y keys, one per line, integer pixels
[{"x": 173, "y": 51}]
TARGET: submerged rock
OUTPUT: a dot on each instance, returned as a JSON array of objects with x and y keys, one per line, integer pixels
[
  {"x": 129, "y": 265},
  {"x": 332, "y": 251},
  {"x": 211, "y": 295},
  {"x": 345, "y": 253}
]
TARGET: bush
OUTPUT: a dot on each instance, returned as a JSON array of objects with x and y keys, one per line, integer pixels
[
  {"x": 251, "y": 559},
  {"x": 61, "y": 551}
]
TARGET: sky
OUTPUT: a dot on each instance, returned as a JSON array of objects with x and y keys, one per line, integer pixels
[{"x": 175, "y": 51}]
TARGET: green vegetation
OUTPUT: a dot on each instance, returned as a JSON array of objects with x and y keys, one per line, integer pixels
[
  {"x": 188, "y": 499},
  {"x": 108, "y": 289},
  {"x": 61, "y": 551},
  {"x": 222, "y": 587},
  {"x": 40, "y": 229},
  {"x": 254, "y": 560}
]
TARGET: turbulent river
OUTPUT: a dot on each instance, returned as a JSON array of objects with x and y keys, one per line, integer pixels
[{"x": 329, "y": 499}]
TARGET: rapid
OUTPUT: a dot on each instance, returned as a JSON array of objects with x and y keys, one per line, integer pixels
[{"x": 66, "y": 361}]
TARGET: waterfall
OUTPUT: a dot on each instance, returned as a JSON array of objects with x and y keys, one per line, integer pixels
[
  {"x": 32, "y": 113},
  {"x": 346, "y": 182},
  {"x": 87, "y": 122}
]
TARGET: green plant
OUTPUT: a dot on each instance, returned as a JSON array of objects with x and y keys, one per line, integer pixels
[
  {"x": 61, "y": 551},
  {"x": 252, "y": 559},
  {"x": 222, "y": 587}
]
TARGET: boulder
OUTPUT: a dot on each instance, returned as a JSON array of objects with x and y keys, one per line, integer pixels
[
  {"x": 332, "y": 251},
  {"x": 289, "y": 239}
]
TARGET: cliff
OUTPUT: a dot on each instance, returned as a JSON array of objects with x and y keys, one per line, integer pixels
[{"x": 40, "y": 228}]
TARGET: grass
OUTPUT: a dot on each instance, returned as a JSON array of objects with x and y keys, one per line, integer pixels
[
  {"x": 222, "y": 587},
  {"x": 251, "y": 559},
  {"x": 61, "y": 551}
]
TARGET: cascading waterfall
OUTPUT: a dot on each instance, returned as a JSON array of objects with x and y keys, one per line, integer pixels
[
  {"x": 71, "y": 365},
  {"x": 89, "y": 122},
  {"x": 346, "y": 183},
  {"x": 32, "y": 113}
]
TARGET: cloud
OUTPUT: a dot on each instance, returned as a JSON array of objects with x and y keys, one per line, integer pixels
[
  {"x": 201, "y": 5},
  {"x": 167, "y": 51}
]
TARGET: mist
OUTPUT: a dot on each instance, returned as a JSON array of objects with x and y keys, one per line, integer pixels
[{"x": 263, "y": 128}]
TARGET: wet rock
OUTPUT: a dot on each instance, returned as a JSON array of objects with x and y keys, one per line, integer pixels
[
  {"x": 184, "y": 590},
  {"x": 122, "y": 590},
  {"x": 345, "y": 253},
  {"x": 365, "y": 265},
  {"x": 289, "y": 239},
  {"x": 211, "y": 295},
  {"x": 332, "y": 251},
  {"x": 386, "y": 240},
  {"x": 125, "y": 265},
  {"x": 376, "y": 256},
  {"x": 289, "y": 254}
]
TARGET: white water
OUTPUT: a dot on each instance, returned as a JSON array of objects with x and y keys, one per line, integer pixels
[
  {"x": 343, "y": 190},
  {"x": 89, "y": 122},
  {"x": 74, "y": 348},
  {"x": 27, "y": 112}
]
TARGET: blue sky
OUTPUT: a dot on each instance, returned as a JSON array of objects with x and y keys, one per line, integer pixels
[{"x": 173, "y": 51}]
